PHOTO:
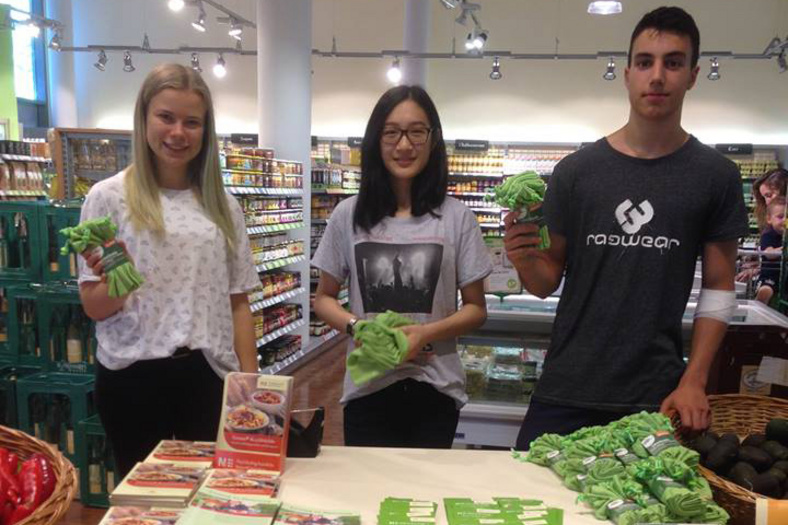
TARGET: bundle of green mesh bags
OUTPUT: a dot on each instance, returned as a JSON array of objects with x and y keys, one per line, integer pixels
[{"x": 630, "y": 471}]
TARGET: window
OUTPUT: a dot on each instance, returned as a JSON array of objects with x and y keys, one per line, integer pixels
[{"x": 24, "y": 54}]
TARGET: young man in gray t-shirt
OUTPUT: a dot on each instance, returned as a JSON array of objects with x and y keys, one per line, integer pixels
[{"x": 628, "y": 217}]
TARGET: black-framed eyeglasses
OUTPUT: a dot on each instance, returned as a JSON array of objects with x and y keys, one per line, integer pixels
[{"x": 416, "y": 136}]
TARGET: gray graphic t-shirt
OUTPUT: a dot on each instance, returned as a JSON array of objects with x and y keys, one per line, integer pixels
[
  {"x": 634, "y": 229},
  {"x": 413, "y": 266}
]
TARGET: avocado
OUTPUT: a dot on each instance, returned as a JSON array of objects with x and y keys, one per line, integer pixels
[
  {"x": 730, "y": 436},
  {"x": 782, "y": 465},
  {"x": 767, "y": 485},
  {"x": 754, "y": 440},
  {"x": 775, "y": 450},
  {"x": 779, "y": 474},
  {"x": 742, "y": 474},
  {"x": 704, "y": 444},
  {"x": 756, "y": 457},
  {"x": 722, "y": 457},
  {"x": 777, "y": 430}
]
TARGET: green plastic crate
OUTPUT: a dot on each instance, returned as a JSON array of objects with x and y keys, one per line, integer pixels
[
  {"x": 53, "y": 218},
  {"x": 97, "y": 478},
  {"x": 66, "y": 333},
  {"x": 23, "y": 337},
  {"x": 20, "y": 241},
  {"x": 9, "y": 375},
  {"x": 7, "y": 355},
  {"x": 50, "y": 405}
]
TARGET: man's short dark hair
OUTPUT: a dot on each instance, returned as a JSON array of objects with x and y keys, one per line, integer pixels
[{"x": 669, "y": 20}]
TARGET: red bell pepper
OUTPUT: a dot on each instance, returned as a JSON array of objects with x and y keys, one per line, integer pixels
[
  {"x": 49, "y": 475},
  {"x": 11, "y": 486},
  {"x": 31, "y": 478},
  {"x": 12, "y": 461}
]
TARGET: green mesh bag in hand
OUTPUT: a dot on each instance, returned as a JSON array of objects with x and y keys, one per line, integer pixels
[
  {"x": 122, "y": 276},
  {"x": 382, "y": 347},
  {"x": 521, "y": 193}
]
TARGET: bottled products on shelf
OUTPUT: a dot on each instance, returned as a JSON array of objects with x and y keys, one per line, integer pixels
[
  {"x": 257, "y": 167},
  {"x": 489, "y": 163},
  {"x": 279, "y": 350},
  {"x": 542, "y": 161},
  {"x": 264, "y": 251},
  {"x": 274, "y": 318},
  {"x": 506, "y": 374},
  {"x": 275, "y": 283}
]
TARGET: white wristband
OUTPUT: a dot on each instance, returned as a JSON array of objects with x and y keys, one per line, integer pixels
[{"x": 716, "y": 304}]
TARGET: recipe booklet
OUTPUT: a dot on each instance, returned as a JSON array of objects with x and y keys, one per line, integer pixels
[
  {"x": 212, "y": 507},
  {"x": 255, "y": 422},
  {"x": 158, "y": 484},
  {"x": 199, "y": 453},
  {"x": 260, "y": 483},
  {"x": 140, "y": 516},
  {"x": 290, "y": 515}
]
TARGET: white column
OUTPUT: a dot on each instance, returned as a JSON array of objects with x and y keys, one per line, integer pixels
[
  {"x": 284, "y": 101},
  {"x": 416, "y": 39},
  {"x": 60, "y": 69}
]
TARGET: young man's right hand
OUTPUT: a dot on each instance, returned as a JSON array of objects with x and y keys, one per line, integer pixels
[{"x": 521, "y": 241}]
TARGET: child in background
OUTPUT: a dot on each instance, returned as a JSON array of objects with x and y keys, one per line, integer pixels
[{"x": 771, "y": 242}]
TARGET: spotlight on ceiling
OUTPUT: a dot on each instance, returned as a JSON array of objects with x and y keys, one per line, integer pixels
[
  {"x": 128, "y": 67},
  {"x": 450, "y": 4},
  {"x": 496, "y": 74},
  {"x": 604, "y": 7},
  {"x": 101, "y": 63},
  {"x": 220, "y": 69},
  {"x": 199, "y": 24},
  {"x": 235, "y": 29},
  {"x": 394, "y": 74},
  {"x": 56, "y": 43},
  {"x": 196, "y": 63},
  {"x": 610, "y": 72},
  {"x": 714, "y": 72},
  {"x": 176, "y": 5}
]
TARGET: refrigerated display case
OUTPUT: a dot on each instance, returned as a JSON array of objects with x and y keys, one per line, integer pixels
[{"x": 523, "y": 323}]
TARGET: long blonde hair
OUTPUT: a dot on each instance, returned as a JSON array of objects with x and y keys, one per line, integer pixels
[{"x": 141, "y": 188}]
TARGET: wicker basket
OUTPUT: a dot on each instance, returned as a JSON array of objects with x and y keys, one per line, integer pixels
[
  {"x": 66, "y": 486},
  {"x": 742, "y": 415}
]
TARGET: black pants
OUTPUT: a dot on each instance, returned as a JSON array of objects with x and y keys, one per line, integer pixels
[
  {"x": 151, "y": 400},
  {"x": 408, "y": 413},
  {"x": 544, "y": 418}
]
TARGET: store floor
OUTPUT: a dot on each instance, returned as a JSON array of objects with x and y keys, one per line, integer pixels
[{"x": 318, "y": 383}]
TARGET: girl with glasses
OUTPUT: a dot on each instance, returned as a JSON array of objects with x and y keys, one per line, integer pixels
[{"x": 405, "y": 246}]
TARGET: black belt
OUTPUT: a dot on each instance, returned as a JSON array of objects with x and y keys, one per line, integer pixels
[{"x": 181, "y": 351}]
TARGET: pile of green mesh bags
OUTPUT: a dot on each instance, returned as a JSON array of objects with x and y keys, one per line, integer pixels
[{"x": 630, "y": 471}]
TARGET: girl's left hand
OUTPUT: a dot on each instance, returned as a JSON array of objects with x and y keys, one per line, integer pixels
[{"x": 417, "y": 340}]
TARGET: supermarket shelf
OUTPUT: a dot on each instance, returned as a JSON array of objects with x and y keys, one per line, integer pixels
[
  {"x": 486, "y": 423},
  {"x": 273, "y": 228},
  {"x": 477, "y": 175},
  {"x": 260, "y": 172},
  {"x": 276, "y": 299},
  {"x": 276, "y": 334},
  {"x": 319, "y": 221},
  {"x": 23, "y": 158},
  {"x": 488, "y": 210},
  {"x": 256, "y": 190},
  {"x": 278, "y": 263},
  {"x": 335, "y": 191},
  {"x": 22, "y": 193},
  {"x": 317, "y": 345},
  {"x": 467, "y": 193},
  {"x": 491, "y": 226}
]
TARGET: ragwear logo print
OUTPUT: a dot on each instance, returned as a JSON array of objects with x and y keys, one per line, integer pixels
[{"x": 632, "y": 219}]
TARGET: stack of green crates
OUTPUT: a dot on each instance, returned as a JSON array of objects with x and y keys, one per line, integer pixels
[
  {"x": 47, "y": 342},
  {"x": 97, "y": 478}
]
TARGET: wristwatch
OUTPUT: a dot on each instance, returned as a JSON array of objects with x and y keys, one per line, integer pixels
[{"x": 350, "y": 328}]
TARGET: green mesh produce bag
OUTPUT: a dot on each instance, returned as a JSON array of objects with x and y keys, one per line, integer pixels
[{"x": 521, "y": 193}]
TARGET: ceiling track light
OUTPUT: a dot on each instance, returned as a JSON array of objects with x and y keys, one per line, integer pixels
[
  {"x": 714, "y": 73},
  {"x": 128, "y": 67},
  {"x": 394, "y": 74},
  {"x": 199, "y": 24},
  {"x": 236, "y": 29},
  {"x": 496, "y": 74},
  {"x": 475, "y": 41},
  {"x": 610, "y": 72},
  {"x": 220, "y": 69},
  {"x": 56, "y": 43},
  {"x": 195, "y": 63},
  {"x": 101, "y": 63},
  {"x": 468, "y": 10},
  {"x": 449, "y": 4},
  {"x": 146, "y": 43},
  {"x": 782, "y": 62},
  {"x": 604, "y": 7},
  {"x": 175, "y": 5}
]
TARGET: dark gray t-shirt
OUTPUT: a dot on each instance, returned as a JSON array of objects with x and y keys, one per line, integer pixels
[{"x": 634, "y": 229}]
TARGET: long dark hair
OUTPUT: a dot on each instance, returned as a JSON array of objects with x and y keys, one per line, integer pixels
[{"x": 376, "y": 199}]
